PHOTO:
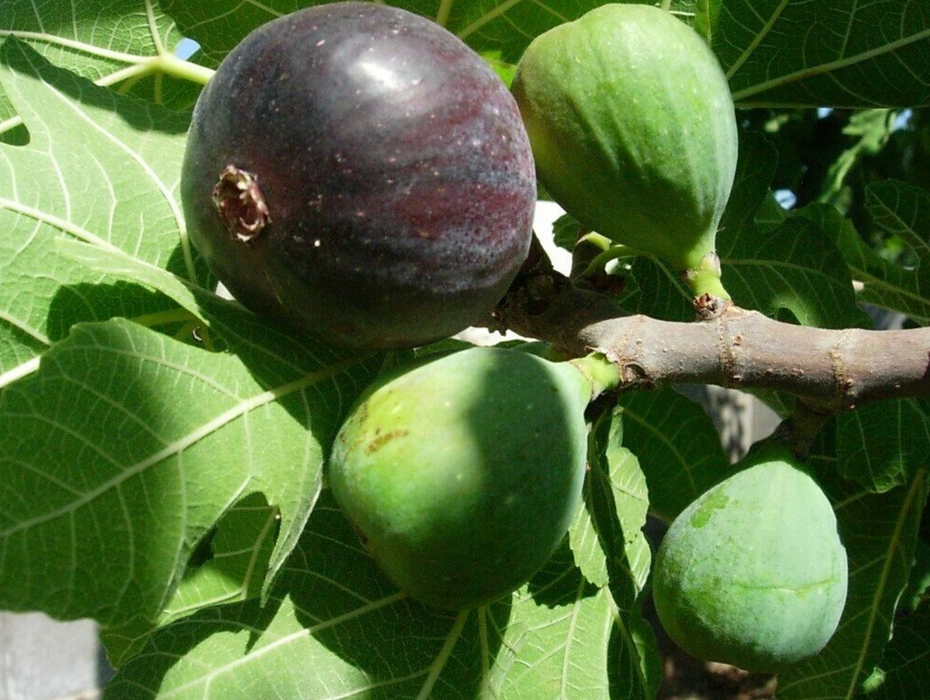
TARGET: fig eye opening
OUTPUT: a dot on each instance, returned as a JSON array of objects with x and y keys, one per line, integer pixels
[{"x": 240, "y": 202}]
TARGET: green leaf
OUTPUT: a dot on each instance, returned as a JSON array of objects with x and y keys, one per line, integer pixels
[
  {"x": 239, "y": 550},
  {"x": 706, "y": 17},
  {"x": 499, "y": 28},
  {"x": 677, "y": 447},
  {"x": 794, "y": 272},
  {"x": 609, "y": 546},
  {"x": 918, "y": 585},
  {"x": 755, "y": 169},
  {"x": 905, "y": 669},
  {"x": 883, "y": 444},
  {"x": 126, "y": 448},
  {"x": 576, "y": 642},
  {"x": 98, "y": 168},
  {"x": 606, "y": 537},
  {"x": 777, "y": 53},
  {"x": 657, "y": 291},
  {"x": 879, "y": 532},
  {"x": 826, "y": 53},
  {"x": 334, "y": 626},
  {"x": 565, "y": 232},
  {"x": 770, "y": 215},
  {"x": 871, "y": 128},
  {"x": 897, "y": 209},
  {"x": 101, "y": 40}
]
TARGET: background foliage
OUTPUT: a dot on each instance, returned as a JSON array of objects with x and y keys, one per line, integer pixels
[{"x": 170, "y": 484}]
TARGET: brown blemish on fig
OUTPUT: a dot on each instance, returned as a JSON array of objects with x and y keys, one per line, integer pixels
[
  {"x": 382, "y": 440},
  {"x": 240, "y": 202}
]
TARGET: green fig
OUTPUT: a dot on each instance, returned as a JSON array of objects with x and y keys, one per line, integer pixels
[
  {"x": 753, "y": 573},
  {"x": 463, "y": 474},
  {"x": 633, "y": 129}
]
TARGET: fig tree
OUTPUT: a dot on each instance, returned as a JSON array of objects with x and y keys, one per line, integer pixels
[
  {"x": 356, "y": 171},
  {"x": 464, "y": 473},
  {"x": 753, "y": 573},
  {"x": 634, "y": 132}
]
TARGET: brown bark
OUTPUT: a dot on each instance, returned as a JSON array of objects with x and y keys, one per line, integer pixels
[{"x": 829, "y": 370}]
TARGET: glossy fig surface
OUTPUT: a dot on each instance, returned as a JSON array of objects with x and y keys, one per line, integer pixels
[
  {"x": 463, "y": 474},
  {"x": 358, "y": 172}
]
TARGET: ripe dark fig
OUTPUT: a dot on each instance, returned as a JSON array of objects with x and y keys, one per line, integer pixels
[{"x": 356, "y": 171}]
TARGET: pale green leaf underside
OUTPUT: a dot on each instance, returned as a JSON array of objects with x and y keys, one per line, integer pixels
[
  {"x": 609, "y": 547},
  {"x": 239, "y": 551},
  {"x": 606, "y": 537},
  {"x": 101, "y": 40},
  {"x": 100, "y": 169},
  {"x": 335, "y": 627},
  {"x": 125, "y": 448}
]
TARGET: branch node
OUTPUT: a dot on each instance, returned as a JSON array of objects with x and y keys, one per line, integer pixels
[
  {"x": 841, "y": 376},
  {"x": 727, "y": 351},
  {"x": 708, "y": 307}
]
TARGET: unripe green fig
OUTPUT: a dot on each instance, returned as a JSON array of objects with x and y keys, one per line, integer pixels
[
  {"x": 633, "y": 129},
  {"x": 753, "y": 573},
  {"x": 464, "y": 473}
]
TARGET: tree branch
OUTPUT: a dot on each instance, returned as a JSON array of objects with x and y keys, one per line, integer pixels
[{"x": 829, "y": 370}]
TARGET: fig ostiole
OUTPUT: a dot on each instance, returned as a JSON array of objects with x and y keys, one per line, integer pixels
[
  {"x": 356, "y": 172},
  {"x": 463, "y": 474},
  {"x": 633, "y": 129},
  {"x": 753, "y": 573}
]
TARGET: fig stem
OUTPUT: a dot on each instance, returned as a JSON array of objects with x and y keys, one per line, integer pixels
[
  {"x": 10, "y": 123},
  {"x": 169, "y": 64},
  {"x": 186, "y": 330},
  {"x": 801, "y": 429},
  {"x": 163, "y": 64},
  {"x": 163, "y": 318},
  {"x": 612, "y": 253},
  {"x": 597, "y": 240},
  {"x": 706, "y": 282},
  {"x": 704, "y": 279},
  {"x": 602, "y": 374}
]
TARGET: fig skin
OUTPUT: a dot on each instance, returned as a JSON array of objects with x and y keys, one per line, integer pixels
[
  {"x": 633, "y": 129},
  {"x": 753, "y": 573},
  {"x": 463, "y": 474},
  {"x": 393, "y": 175}
]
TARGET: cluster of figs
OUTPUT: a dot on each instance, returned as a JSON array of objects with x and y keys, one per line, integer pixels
[{"x": 357, "y": 173}]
